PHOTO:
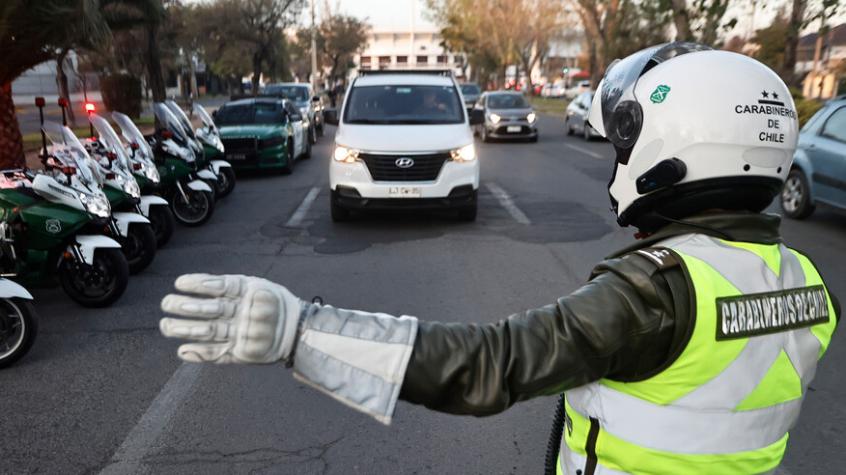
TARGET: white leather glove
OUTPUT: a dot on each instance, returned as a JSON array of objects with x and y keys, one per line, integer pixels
[{"x": 238, "y": 319}]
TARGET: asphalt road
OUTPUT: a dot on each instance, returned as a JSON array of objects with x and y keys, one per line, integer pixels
[{"x": 103, "y": 392}]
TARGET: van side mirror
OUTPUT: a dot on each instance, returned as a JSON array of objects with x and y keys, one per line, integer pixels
[
  {"x": 330, "y": 116},
  {"x": 477, "y": 117}
]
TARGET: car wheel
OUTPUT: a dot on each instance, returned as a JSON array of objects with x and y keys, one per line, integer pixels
[
  {"x": 568, "y": 126},
  {"x": 339, "y": 214},
  {"x": 307, "y": 153},
  {"x": 289, "y": 160},
  {"x": 312, "y": 135},
  {"x": 586, "y": 132},
  {"x": 796, "y": 196}
]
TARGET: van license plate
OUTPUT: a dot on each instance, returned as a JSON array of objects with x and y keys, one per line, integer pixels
[
  {"x": 405, "y": 192},
  {"x": 514, "y": 129},
  {"x": 236, "y": 156}
]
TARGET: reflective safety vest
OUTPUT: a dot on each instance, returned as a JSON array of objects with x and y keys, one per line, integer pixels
[{"x": 763, "y": 318}]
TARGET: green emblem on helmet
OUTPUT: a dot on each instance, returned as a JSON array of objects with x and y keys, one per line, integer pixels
[{"x": 659, "y": 94}]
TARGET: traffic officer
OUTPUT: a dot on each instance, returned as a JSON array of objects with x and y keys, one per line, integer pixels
[{"x": 688, "y": 352}]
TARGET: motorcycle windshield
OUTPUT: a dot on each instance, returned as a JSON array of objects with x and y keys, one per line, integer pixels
[
  {"x": 180, "y": 115},
  {"x": 131, "y": 133},
  {"x": 63, "y": 139},
  {"x": 204, "y": 116},
  {"x": 168, "y": 121},
  {"x": 110, "y": 140}
]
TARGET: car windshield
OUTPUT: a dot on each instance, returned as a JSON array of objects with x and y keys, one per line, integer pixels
[
  {"x": 470, "y": 89},
  {"x": 294, "y": 93},
  {"x": 507, "y": 101},
  {"x": 243, "y": 114},
  {"x": 403, "y": 105}
]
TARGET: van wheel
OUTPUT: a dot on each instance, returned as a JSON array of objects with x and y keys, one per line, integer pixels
[
  {"x": 468, "y": 214},
  {"x": 339, "y": 214}
]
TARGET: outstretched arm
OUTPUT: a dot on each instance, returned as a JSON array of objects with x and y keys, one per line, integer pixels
[{"x": 620, "y": 324}]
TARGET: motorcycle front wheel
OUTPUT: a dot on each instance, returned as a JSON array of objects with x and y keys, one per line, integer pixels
[
  {"x": 139, "y": 246},
  {"x": 225, "y": 181},
  {"x": 18, "y": 327},
  {"x": 161, "y": 218},
  {"x": 196, "y": 211},
  {"x": 99, "y": 284}
]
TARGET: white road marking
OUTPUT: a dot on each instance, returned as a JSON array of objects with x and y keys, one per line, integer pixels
[
  {"x": 585, "y": 151},
  {"x": 505, "y": 200},
  {"x": 297, "y": 218},
  {"x": 130, "y": 455}
]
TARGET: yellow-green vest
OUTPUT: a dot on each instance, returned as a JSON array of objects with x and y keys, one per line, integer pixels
[{"x": 763, "y": 318}]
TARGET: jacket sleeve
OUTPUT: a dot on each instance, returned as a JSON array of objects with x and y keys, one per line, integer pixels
[{"x": 621, "y": 324}]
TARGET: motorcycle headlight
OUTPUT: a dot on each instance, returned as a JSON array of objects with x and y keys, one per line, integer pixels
[
  {"x": 344, "y": 154},
  {"x": 152, "y": 173},
  {"x": 98, "y": 205},
  {"x": 131, "y": 188},
  {"x": 466, "y": 153}
]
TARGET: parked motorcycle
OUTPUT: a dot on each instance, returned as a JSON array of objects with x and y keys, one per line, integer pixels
[
  {"x": 191, "y": 199},
  {"x": 114, "y": 174},
  {"x": 217, "y": 172},
  {"x": 18, "y": 322},
  {"x": 209, "y": 137},
  {"x": 52, "y": 225}
]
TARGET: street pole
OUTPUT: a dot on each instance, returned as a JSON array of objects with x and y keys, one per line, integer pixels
[{"x": 313, "y": 50}]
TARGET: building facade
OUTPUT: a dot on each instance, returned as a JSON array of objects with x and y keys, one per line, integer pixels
[{"x": 411, "y": 48}]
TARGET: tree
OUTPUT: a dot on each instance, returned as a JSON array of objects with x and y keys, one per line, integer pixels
[
  {"x": 539, "y": 21},
  {"x": 31, "y": 32},
  {"x": 700, "y": 20},
  {"x": 339, "y": 38},
  {"x": 800, "y": 17},
  {"x": 771, "y": 43}
]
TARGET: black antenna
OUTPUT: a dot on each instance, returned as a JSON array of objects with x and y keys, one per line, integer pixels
[{"x": 39, "y": 102}]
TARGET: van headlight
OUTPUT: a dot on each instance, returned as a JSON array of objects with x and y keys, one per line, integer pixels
[
  {"x": 344, "y": 154},
  {"x": 532, "y": 117},
  {"x": 466, "y": 153},
  {"x": 98, "y": 204},
  {"x": 495, "y": 118}
]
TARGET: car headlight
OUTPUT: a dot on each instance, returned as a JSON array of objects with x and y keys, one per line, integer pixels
[
  {"x": 531, "y": 117},
  {"x": 304, "y": 111},
  {"x": 495, "y": 118},
  {"x": 344, "y": 154},
  {"x": 98, "y": 204},
  {"x": 466, "y": 153}
]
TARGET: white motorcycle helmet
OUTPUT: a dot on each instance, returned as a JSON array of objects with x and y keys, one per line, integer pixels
[{"x": 694, "y": 129}]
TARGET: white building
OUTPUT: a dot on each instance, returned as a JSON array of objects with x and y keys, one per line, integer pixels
[{"x": 412, "y": 48}]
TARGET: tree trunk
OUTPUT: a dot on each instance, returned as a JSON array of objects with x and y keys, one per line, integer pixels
[
  {"x": 791, "y": 42},
  {"x": 681, "y": 20},
  {"x": 256, "y": 74},
  {"x": 11, "y": 141},
  {"x": 154, "y": 65},
  {"x": 64, "y": 90}
]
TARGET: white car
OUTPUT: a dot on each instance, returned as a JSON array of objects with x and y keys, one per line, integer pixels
[{"x": 404, "y": 141}]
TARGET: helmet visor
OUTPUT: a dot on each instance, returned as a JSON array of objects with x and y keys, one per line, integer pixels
[{"x": 621, "y": 115}]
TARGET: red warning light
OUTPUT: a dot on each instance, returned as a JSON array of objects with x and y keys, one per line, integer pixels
[
  {"x": 40, "y": 102},
  {"x": 89, "y": 107},
  {"x": 63, "y": 102}
]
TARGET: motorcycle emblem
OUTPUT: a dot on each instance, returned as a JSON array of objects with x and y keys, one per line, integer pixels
[
  {"x": 659, "y": 94},
  {"x": 54, "y": 226},
  {"x": 404, "y": 162}
]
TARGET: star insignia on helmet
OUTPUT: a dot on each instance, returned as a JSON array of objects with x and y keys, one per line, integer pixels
[{"x": 765, "y": 94}]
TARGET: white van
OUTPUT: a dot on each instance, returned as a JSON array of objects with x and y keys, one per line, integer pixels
[{"x": 403, "y": 141}]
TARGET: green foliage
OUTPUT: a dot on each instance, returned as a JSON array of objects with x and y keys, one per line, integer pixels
[
  {"x": 772, "y": 41},
  {"x": 122, "y": 93},
  {"x": 339, "y": 39},
  {"x": 806, "y": 108}
]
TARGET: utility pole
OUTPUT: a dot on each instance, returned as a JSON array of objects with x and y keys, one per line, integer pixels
[{"x": 313, "y": 49}]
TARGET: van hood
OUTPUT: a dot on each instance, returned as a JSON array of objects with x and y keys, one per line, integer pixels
[{"x": 404, "y": 138}]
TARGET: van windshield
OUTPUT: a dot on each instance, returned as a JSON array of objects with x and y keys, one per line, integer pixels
[{"x": 395, "y": 105}]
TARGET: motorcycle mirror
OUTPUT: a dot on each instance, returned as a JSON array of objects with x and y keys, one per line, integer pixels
[
  {"x": 110, "y": 176},
  {"x": 68, "y": 170},
  {"x": 111, "y": 156},
  {"x": 136, "y": 166},
  {"x": 166, "y": 134},
  {"x": 134, "y": 146}
]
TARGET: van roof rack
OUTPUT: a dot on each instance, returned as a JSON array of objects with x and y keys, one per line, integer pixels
[{"x": 381, "y": 72}]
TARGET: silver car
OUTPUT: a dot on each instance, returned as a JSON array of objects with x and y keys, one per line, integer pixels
[
  {"x": 508, "y": 115},
  {"x": 576, "y": 121},
  {"x": 303, "y": 98}
]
